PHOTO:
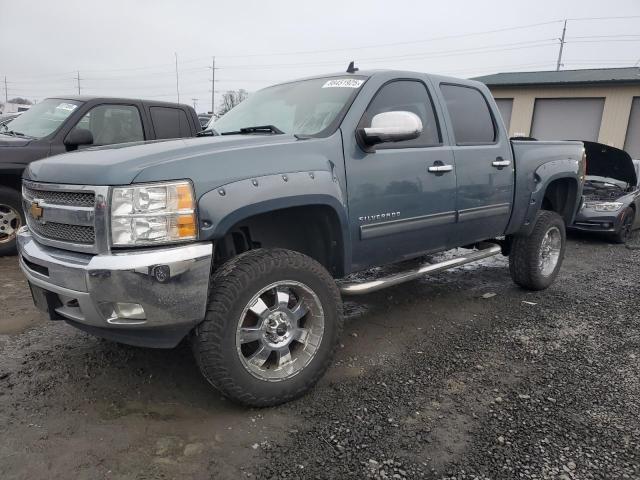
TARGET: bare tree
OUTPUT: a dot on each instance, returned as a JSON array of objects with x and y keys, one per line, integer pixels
[
  {"x": 230, "y": 99},
  {"x": 21, "y": 101}
]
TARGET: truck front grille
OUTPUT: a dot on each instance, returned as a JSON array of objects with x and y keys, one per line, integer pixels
[
  {"x": 64, "y": 232},
  {"x": 66, "y": 216},
  {"x": 78, "y": 199}
]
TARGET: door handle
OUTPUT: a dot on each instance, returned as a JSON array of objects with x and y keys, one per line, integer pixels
[
  {"x": 500, "y": 162},
  {"x": 440, "y": 168}
]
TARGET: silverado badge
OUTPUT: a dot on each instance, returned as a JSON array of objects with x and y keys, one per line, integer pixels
[{"x": 36, "y": 210}]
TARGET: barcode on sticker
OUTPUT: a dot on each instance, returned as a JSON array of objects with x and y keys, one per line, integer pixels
[{"x": 343, "y": 83}]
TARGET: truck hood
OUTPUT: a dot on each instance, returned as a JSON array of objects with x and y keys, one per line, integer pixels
[
  {"x": 606, "y": 161},
  {"x": 207, "y": 161},
  {"x": 11, "y": 141}
]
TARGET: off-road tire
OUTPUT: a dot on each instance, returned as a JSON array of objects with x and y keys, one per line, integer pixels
[
  {"x": 232, "y": 286},
  {"x": 623, "y": 235},
  {"x": 525, "y": 253},
  {"x": 10, "y": 198}
]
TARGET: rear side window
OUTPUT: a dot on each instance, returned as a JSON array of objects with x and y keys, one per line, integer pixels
[
  {"x": 470, "y": 115},
  {"x": 409, "y": 96},
  {"x": 170, "y": 122}
]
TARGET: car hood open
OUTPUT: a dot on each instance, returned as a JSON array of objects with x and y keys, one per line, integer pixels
[{"x": 606, "y": 161}]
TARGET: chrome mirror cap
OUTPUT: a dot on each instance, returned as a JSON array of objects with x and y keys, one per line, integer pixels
[{"x": 392, "y": 127}]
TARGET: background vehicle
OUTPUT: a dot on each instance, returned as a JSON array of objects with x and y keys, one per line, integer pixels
[
  {"x": 5, "y": 119},
  {"x": 204, "y": 119},
  {"x": 59, "y": 125},
  {"x": 611, "y": 193},
  {"x": 237, "y": 238}
]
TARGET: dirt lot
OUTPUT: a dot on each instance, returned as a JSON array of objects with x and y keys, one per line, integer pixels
[{"x": 435, "y": 379}]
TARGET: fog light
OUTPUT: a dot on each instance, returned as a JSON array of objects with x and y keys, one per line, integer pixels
[{"x": 133, "y": 311}]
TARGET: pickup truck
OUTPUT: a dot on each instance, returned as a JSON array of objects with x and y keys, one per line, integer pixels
[
  {"x": 65, "y": 124},
  {"x": 243, "y": 239}
]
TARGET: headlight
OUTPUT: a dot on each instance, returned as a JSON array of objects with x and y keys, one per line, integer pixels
[
  {"x": 153, "y": 213},
  {"x": 604, "y": 206}
]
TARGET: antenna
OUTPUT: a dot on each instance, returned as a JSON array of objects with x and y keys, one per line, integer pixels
[{"x": 352, "y": 68}]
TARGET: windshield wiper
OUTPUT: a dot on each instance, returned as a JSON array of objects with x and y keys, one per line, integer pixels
[
  {"x": 209, "y": 132},
  {"x": 257, "y": 129},
  {"x": 15, "y": 134}
]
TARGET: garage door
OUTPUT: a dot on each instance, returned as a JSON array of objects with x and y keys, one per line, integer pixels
[
  {"x": 567, "y": 118},
  {"x": 632, "y": 143},
  {"x": 505, "y": 105}
]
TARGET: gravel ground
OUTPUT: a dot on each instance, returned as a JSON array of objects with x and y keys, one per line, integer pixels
[{"x": 458, "y": 376}]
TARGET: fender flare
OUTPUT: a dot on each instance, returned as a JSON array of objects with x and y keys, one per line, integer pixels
[
  {"x": 544, "y": 175},
  {"x": 220, "y": 209}
]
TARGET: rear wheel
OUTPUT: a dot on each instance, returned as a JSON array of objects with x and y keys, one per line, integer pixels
[
  {"x": 535, "y": 260},
  {"x": 11, "y": 218},
  {"x": 271, "y": 328},
  {"x": 626, "y": 226}
]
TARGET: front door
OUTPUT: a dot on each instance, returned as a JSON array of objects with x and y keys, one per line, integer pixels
[{"x": 402, "y": 195}]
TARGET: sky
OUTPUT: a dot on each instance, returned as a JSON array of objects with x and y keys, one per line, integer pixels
[{"x": 129, "y": 47}]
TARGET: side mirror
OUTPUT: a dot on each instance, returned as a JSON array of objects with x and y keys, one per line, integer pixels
[
  {"x": 77, "y": 137},
  {"x": 392, "y": 127}
]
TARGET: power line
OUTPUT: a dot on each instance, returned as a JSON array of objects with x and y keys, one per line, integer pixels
[{"x": 361, "y": 47}]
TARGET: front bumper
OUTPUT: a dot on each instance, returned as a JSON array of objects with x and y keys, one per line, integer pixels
[
  {"x": 169, "y": 283},
  {"x": 589, "y": 220}
]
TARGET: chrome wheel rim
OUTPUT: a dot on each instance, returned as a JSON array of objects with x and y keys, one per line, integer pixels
[
  {"x": 550, "y": 251},
  {"x": 280, "y": 331},
  {"x": 10, "y": 222}
]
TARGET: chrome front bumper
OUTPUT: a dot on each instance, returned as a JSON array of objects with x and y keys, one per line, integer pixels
[{"x": 170, "y": 283}]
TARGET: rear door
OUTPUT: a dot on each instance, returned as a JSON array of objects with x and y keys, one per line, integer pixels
[
  {"x": 484, "y": 166},
  {"x": 398, "y": 207}
]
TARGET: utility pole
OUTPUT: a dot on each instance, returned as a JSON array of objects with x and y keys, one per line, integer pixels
[
  {"x": 195, "y": 102},
  {"x": 213, "y": 85},
  {"x": 177, "y": 84},
  {"x": 6, "y": 92},
  {"x": 78, "y": 79},
  {"x": 564, "y": 30}
]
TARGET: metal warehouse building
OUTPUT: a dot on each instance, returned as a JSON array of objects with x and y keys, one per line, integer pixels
[{"x": 601, "y": 105}]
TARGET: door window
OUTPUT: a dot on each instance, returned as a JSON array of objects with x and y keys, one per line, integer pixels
[
  {"x": 170, "y": 122},
  {"x": 408, "y": 96},
  {"x": 470, "y": 115},
  {"x": 112, "y": 124}
]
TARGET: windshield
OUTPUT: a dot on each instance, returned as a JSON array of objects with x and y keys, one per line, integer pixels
[
  {"x": 307, "y": 107},
  {"x": 43, "y": 118}
]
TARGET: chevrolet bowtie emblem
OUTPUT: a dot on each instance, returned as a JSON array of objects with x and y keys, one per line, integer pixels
[{"x": 36, "y": 210}]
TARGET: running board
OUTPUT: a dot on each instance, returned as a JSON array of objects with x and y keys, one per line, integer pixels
[{"x": 398, "y": 278}]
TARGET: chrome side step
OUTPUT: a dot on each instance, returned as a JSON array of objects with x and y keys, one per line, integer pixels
[{"x": 396, "y": 279}]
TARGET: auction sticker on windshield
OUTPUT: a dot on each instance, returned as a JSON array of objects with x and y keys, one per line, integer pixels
[
  {"x": 343, "y": 83},
  {"x": 67, "y": 106}
]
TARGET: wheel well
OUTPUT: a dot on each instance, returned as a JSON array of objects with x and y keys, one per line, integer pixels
[
  {"x": 560, "y": 197},
  {"x": 11, "y": 181},
  {"x": 313, "y": 230}
]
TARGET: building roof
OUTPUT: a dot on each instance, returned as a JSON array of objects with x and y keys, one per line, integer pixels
[{"x": 629, "y": 75}]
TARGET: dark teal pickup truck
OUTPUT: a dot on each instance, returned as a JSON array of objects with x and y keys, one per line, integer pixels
[{"x": 243, "y": 238}]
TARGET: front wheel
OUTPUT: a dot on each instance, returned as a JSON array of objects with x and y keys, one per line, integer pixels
[
  {"x": 626, "y": 226},
  {"x": 11, "y": 218},
  {"x": 271, "y": 328},
  {"x": 535, "y": 260}
]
